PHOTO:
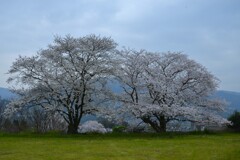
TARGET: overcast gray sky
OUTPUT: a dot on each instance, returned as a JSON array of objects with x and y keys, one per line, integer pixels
[{"x": 206, "y": 30}]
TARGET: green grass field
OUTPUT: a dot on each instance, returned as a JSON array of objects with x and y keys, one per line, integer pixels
[{"x": 120, "y": 147}]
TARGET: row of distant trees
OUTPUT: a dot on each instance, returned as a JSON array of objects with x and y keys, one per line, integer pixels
[
  {"x": 35, "y": 119},
  {"x": 74, "y": 77}
]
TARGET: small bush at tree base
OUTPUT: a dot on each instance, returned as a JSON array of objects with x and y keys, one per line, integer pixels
[
  {"x": 119, "y": 129},
  {"x": 92, "y": 127}
]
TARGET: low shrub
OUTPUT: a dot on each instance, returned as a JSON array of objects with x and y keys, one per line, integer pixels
[
  {"x": 92, "y": 127},
  {"x": 119, "y": 129}
]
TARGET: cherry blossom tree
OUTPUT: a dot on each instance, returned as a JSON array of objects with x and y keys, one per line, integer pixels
[
  {"x": 162, "y": 87},
  {"x": 68, "y": 77}
]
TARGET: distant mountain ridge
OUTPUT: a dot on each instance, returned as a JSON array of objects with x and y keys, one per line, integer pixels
[
  {"x": 233, "y": 98},
  {"x": 6, "y": 93}
]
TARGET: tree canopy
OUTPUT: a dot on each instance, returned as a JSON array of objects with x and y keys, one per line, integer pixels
[
  {"x": 71, "y": 76},
  {"x": 67, "y": 77},
  {"x": 161, "y": 87}
]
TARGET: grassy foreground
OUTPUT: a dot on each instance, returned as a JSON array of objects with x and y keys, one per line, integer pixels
[{"x": 120, "y": 147}]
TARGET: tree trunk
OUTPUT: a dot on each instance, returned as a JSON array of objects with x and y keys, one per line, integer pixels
[
  {"x": 155, "y": 125},
  {"x": 163, "y": 124},
  {"x": 72, "y": 129}
]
